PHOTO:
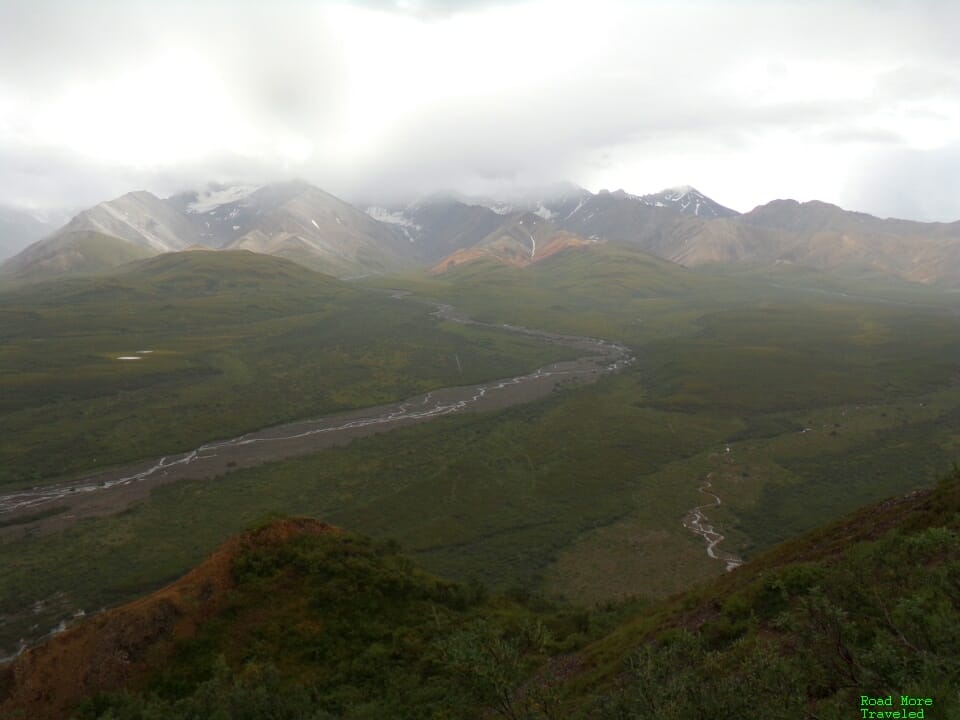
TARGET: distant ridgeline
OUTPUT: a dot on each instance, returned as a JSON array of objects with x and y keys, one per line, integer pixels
[{"x": 299, "y": 222}]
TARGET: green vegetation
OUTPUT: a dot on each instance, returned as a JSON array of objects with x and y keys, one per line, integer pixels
[
  {"x": 866, "y": 606},
  {"x": 238, "y": 342},
  {"x": 825, "y": 405},
  {"x": 490, "y": 497},
  {"x": 831, "y": 399},
  {"x": 796, "y": 404},
  {"x": 349, "y": 629},
  {"x": 338, "y": 627}
]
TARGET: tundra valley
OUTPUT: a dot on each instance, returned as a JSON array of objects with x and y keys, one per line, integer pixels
[
  {"x": 327, "y": 394},
  {"x": 570, "y": 429}
]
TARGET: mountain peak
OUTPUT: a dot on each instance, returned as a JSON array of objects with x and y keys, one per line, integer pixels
[
  {"x": 688, "y": 200},
  {"x": 138, "y": 195}
]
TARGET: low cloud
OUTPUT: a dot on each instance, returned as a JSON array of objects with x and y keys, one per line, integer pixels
[
  {"x": 389, "y": 100},
  {"x": 912, "y": 184}
]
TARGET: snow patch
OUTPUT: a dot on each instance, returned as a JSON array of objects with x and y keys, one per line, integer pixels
[
  {"x": 315, "y": 223},
  {"x": 208, "y": 200},
  {"x": 543, "y": 212},
  {"x": 129, "y": 357},
  {"x": 391, "y": 217},
  {"x": 574, "y": 211}
]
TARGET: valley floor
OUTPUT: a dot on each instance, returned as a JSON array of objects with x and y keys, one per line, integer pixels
[
  {"x": 57, "y": 506},
  {"x": 794, "y": 406}
]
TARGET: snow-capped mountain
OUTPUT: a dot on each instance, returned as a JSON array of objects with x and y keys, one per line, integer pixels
[
  {"x": 216, "y": 196},
  {"x": 557, "y": 202},
  {"x": 298, "y": 221},
  {"x": 290, "y": 219},
  {"x": 687, "y": 200},
  {"x": 561, "y": 201},
  {"x": 305, "y": 224},
  {"x": 438, "y": 225},
  {"x": 220, "y": 213},
  {"x": 551, "y": 202}
]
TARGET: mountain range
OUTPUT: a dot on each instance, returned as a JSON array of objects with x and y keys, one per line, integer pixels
[{"x": 300, "y": 222}]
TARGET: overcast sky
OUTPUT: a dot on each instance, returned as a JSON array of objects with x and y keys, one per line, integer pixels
[{"x": 856, "y": 103}]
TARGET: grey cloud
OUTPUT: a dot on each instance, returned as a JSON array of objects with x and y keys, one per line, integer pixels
[
  {"x": 913, "y": 184},
  {"x": 846, "y": 134},
  {"x": 285, "y": 68},
  {"x": 49, "y": 178},
  {"x": 44, "y": 44},
  {"x": 430, "y": 9},
  {"x": 916, "y": 83},
  {"x": 561, "y": 130},
  {"x": 651, "y": 82}
]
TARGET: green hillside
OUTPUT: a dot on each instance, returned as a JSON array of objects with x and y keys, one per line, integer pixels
[
  {"x": 310, "y": 623},
  {"x": 867, "y": 606}
]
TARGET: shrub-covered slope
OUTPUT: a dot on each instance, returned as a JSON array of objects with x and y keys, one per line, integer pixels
[
  {"x": 868, "y": 606},
  {"x": 299, "y": 620},
  {"x": 295, "y": 619}
]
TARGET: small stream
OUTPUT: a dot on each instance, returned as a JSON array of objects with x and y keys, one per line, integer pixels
[{"x": 696, "y": 521}]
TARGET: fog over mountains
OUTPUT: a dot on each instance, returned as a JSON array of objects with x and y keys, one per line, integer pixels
[
  {"x": 303, "y": 223},
  {"x": 20, "y": 227}
]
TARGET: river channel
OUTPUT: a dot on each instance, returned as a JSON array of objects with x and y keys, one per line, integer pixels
[{"x": 51, "y": 508}]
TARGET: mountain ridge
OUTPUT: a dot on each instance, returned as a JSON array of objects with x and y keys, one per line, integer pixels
[{"x": 295, "y": 220}]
